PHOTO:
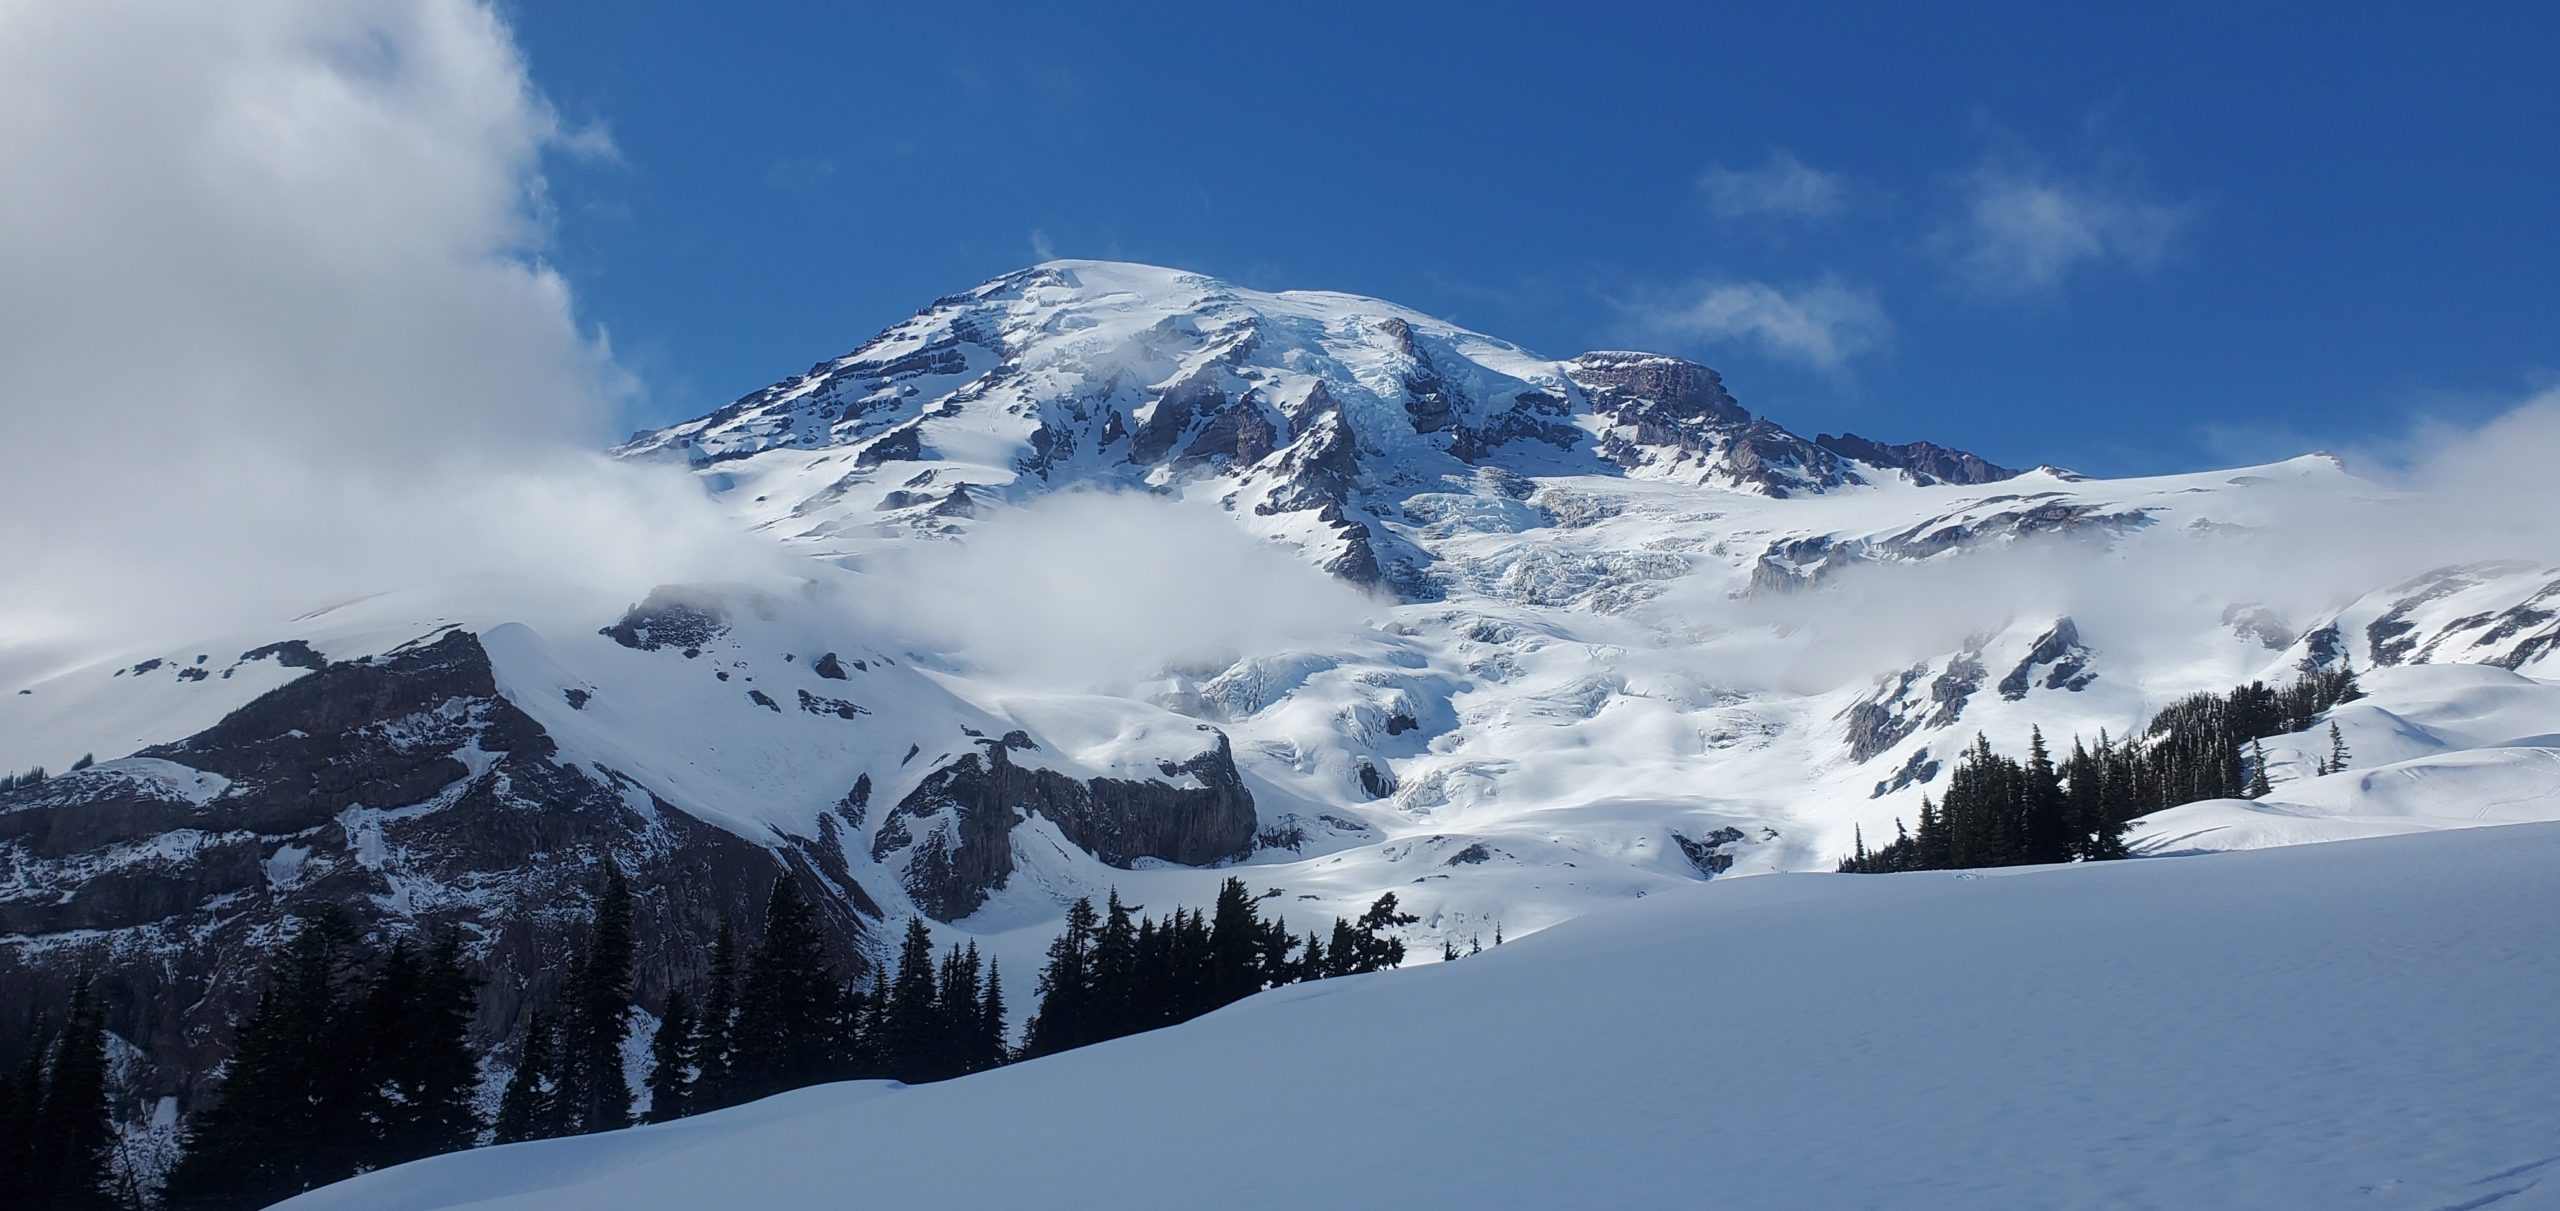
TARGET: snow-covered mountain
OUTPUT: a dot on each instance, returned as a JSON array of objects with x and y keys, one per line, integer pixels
[{"x": 1622, "y": 636}]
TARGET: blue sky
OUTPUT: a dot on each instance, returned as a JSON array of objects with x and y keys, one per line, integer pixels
[{"x": 2128, "y": 241}]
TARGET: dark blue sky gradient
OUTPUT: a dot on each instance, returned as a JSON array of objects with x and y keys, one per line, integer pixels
[{"x": 2361, "y": 204}]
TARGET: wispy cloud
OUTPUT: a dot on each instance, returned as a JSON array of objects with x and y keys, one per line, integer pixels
[
  {"x": 1823, "y": 324},
  {"x": 2020, "y": 232},
  {"x": 1041, "y": 248},
  {"x": 1785, "y": 187}
]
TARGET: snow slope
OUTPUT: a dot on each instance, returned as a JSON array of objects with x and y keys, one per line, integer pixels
[{"x": 2359, "y": 1025}]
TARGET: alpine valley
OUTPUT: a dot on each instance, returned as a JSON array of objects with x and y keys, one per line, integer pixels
[{"x": 1610, "y": 633}]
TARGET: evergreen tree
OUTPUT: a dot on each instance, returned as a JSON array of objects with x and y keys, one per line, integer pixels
[
  {"x": 990, "y": 1050},
  {"x": 417, "y": 1098},
  {"x": 959, "y": 1011},
  {"x": 596, "y": 1019},
  {"x": 712, "y": 1083},
  {"x": 1234, "y": 947},
  {"x": 786, "y": 1002},
  {"x": 2044, "y": 814},
  {"x": 1381, "y": 949},
  {"x": 2337, "y": 748},
  {"x": 529, "y": 1109},
  {"x": 671, "y": 1061},
  {"x": 911, "y": 1025},
  {"x": 1277, "y": 942},
  {"x": 18, "y": 1106},
  {"x": 1066, "y": 985},
  {"x": 2258, "y": 785},
  {"x": 1112, "y": 1008},
  {"x": 75, "y": 1127},
  {"x": 290, "y": 1109}
]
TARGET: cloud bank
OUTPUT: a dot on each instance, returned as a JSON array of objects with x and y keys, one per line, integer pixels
[
  {"x": 275, "y": 325},
  {"x": 1099, "y": 591}
]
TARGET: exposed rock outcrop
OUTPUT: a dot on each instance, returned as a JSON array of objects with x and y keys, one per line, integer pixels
[
  {"x": 402, "y": 789},
  {"x": 957, "y": 826}
]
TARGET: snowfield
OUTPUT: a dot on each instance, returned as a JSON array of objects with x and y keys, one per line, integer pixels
[{"x": 2361, "y": 1025}]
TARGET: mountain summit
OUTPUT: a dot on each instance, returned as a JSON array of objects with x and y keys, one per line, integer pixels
[{"x": 1315, "y": 406}]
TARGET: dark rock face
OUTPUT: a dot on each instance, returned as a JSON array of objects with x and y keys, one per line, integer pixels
[
  {"x": 2058, "y": 651},
  {"x": 1924, "y": 462},
  {"x": 402, "y": 789},
  {"x": 1919, "y": 769},
  {"x": 292, "y": 654},
  {"x": 1674, "y": 413},
  {"x": 1877, "y": 723},
  {"x": 1374, "y": 782},
  {"x": 957, "y": 826},
  {"x": 669, "y": 618},
  {"x": 1709, "y": 854},
  {"x": 1895, "y": 711}
]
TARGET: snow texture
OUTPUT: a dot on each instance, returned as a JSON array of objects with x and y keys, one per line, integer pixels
[{"x": 2357, "y": 1025}]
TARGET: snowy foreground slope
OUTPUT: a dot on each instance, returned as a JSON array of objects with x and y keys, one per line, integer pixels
[{"x": 2365, "y": 1025}]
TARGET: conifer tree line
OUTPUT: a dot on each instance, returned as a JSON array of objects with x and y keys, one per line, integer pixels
[
  {"x": 777, "y": 1018},
  {"x": 56, "y": 1132},
  {"x": 2000, "y": 811},
  {"x": 350, "y": 1062},
  {"x": 1113, "y": 974},
  {"x": 356, "y": 1058}
]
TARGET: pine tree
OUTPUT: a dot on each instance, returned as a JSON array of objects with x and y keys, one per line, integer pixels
[
  {"x": 712, "y": 1083},
  {"x": 421, "y": 1071},
  {"x": 671, "y": 1061},
  {"x": 2258, "y": 786},
  {"x": 2043, "y": 813},
  {"x": 17, "y": 1119},
  {"x": 2337, "y": 748},
  {"x": 1277, "y": 943},
  {"x": 960, "y": 1011},
  {"x": 75, "y": 1127},
  {"x": 910, "y": 1025},
  {"x": 1112, "y": 1009},
  {"x": 595, "y": 1021},
  {"x": 786, "y": 1002},
  {"x": 290, "y": 1109},
  {"x": 1379, "y": 949},
  {"x": 529, "y": 1109},
  {"x": 990, "y": 1051},
  {"x": 1066, "y": 985},
  {"x": 1235, "y": 947}
]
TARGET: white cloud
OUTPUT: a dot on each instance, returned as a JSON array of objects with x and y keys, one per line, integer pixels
[
  {"x": 275, "y": 324},
  {"x": 1100, "y": 591},
  {"x": 1041, "y": 249},
  {"x": 2020, "y": 232},
  {"x": 1785, "y": 187},
  {"x": 1823, "y": 324}
]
